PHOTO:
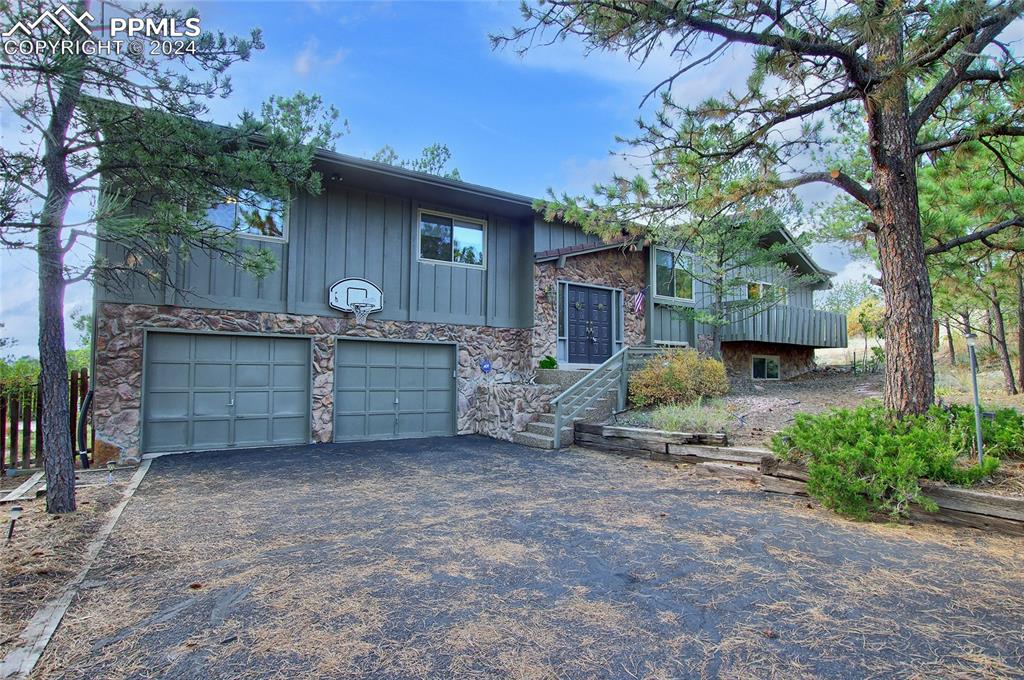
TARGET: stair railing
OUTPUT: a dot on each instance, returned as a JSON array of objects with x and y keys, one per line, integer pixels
[{"x": 613, "y": 373}]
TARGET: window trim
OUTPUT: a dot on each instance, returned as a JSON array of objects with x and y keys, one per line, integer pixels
[
  {"x": 452, "y": 216},
  {"x": 693, "y": 281},
  {"x": 285, "y": 221},
  {"x": 778, "y": 360}
]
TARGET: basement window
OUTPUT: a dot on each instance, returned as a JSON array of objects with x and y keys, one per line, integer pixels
[{"x": 764, "y": 367}]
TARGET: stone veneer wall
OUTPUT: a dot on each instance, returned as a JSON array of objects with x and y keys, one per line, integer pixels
[
  {"x": 793, "y": 359},
  {"x": 615, "y": 268},
  {"x": 118, "y": 378}
]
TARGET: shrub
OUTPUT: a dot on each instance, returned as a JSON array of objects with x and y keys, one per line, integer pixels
[
  {"x": 548, "y": 362},
  {"x": 865, "y": 461},
  {"x": 677, "y": 376},
  {"x": 700, "y": 416}
]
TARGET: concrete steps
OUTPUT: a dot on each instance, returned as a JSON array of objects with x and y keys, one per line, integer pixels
[{"x": 540, "y": 433}]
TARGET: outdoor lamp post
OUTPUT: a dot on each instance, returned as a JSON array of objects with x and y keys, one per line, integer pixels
[
  {"x": 110, "y": 471},
  {"x": 972, "y": 340},
  {"x": 15, "y": 514}
]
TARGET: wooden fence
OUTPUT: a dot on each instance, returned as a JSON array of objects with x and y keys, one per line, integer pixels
[{"x": 21, "y": 420}]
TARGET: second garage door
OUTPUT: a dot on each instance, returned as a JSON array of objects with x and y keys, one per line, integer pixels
[{"x": 391, "y": 390}]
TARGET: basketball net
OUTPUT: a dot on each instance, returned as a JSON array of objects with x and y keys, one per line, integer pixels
[{"x": 361, "y": 310}]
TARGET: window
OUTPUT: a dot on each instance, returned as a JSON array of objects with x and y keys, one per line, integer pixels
[
  {"x": 251, "y": 214},
  {"x": 450, "y": 239},
  {"x": 671, "y": 277},
  {"x": 757, "y": 290},
  {"x": 764, "y": 368}
]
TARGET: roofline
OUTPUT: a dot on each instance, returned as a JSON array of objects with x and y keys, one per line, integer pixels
[{"x": 334, "y": 157}]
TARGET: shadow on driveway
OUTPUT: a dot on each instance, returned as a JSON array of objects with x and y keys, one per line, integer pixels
[{"x": 468, "y": 557}]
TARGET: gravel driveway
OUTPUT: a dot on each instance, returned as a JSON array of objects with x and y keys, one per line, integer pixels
[{"x": 467, "y": 557}]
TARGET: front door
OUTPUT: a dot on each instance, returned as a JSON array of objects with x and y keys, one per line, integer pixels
[{"x": 590, "y": 324}]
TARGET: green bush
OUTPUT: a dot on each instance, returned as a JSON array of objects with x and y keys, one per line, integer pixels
[
  {"x": 678, "y": 376},
  {"x": 700, "y": 416},
  {"x": 865, "y": 461},
  {"x": 548, "y": 362}
]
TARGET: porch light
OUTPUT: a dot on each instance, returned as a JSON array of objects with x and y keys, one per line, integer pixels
[
  {"x": 110, "y": 471},
  {"x": 972, "y": 340},
  {"x": 15, "y": 511}
]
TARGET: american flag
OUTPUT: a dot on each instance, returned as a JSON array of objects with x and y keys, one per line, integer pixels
[{"x": 638, "y": 300}]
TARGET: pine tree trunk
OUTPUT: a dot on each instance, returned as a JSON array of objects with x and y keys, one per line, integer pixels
[
  {"x": 58, "y": 458},
  {"x": 988, "y": 327},
  {"x": 935, "y": 335},
  {"x": 1001, "y": 345},
  {"x": 909, "y": 371},
  {"x": 949, "y": 341}
]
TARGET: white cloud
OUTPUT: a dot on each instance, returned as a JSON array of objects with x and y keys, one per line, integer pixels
[{"x": 309, "y": 59}]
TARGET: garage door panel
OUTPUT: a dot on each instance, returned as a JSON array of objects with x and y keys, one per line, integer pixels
[
  {"x": 353, "y": 377},
  {"x": 252, "y": 431},
  {"x": 211, "y": 375},
  {"x": 212, "y": 348},
  {"x": 211, "y": 404},
  {"x": 381, "y": 377},
  {"x": 171, "y": 347},
  {"x": 168, "y": 404},
  {"x": 350, "y": 401},
  {"x": 253, "y": 349},
  {"x": 385, "y": 390},
  {"x": 252, "y": 403},
  {"x": 211, "y": 434},
  {"x": 168, "y": 375},
  {"x": 289, "y": 403},
  {"x": 252, "y": 375},
  {"x": 224, "y": 391},
  {"x": 167, "y": 436}
]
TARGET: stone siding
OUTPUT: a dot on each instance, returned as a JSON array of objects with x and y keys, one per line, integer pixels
[
  {"x": 615, "y": 268},
  {"x": 794, "y": 360},
  {"x": 503, "y": 409},
  {"x": 118, "y": 379}
]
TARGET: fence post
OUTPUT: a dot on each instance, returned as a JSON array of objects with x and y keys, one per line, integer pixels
[
  {"x": 39, "y": 425},
  {"x": 623, "y": 381},
  {"x": 26, "y": 431},
  {"x": 3, "y": 434},
  {"x": 14, "y": 413},
  {"x": 73, "y": 407}
]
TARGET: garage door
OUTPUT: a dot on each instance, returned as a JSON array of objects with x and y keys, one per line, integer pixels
[
  {"x": 224, "y": 391},
  {"x": 390, "y": 390}
]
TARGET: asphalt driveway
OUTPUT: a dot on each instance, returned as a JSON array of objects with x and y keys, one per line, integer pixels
[{"x": 468, "y": 557}]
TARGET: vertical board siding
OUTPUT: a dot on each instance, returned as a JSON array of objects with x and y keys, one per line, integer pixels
[
  {"x": 671, "y": 325},
  {"x": 548, "y": 236}
]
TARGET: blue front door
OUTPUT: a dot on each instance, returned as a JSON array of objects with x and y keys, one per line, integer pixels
[{"x": 590, "y": 324}]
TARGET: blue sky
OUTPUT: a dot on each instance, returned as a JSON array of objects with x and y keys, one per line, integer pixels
[{"x": 412, "y": 73}]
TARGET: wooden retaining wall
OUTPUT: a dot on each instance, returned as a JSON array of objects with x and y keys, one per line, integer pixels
[{"x": 960, "y": 507}]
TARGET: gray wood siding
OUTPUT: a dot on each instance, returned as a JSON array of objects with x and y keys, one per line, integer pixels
[
  {"x": 670, "y": 324},
  {"x": 347, "y": 232},
  {"x": 548, "y": 236}
]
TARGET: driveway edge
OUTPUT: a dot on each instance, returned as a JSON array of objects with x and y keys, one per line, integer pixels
[{"x": 20, "y": 661}]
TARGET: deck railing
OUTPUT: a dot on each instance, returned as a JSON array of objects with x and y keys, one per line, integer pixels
[{"x": 788, "y": 324}]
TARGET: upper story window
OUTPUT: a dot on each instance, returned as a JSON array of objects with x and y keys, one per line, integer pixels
[
  {"x": 672, "y": 277},
  {"x": 757, "y": 290},
  {"x": 251, "y": 214},
  {"x": 451, "y": 239}
]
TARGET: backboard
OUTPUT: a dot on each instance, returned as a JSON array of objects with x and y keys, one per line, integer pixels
[{"x": 343, "y": 294}]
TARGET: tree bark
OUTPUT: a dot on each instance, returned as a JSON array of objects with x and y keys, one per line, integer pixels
[
  {"x": 58, "y": 460},
  {"x": 909, "y": 370},
  {"x": 935, "y": 335},
  {"x": 949, "y": 341},
  {"x": 988, "y": 327},
  {"x": 1001, "y": 345}
]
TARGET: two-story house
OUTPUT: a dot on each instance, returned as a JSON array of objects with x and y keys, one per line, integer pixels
[{"x": 474, "y": 289}]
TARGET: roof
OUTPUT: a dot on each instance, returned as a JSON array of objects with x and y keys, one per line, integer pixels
[{"x": 578, "y": 249}]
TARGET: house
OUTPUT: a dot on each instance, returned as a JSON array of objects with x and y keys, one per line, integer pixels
[{"x": 474, "y": 290}]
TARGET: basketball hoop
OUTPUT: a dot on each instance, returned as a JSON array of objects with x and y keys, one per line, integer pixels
[{"x": 361, "y": 310}]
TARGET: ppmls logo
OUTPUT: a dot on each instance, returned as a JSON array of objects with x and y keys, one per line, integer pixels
[{"x": 54, "y": 18}]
